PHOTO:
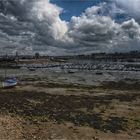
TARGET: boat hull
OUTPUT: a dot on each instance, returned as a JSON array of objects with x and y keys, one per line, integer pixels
[{"x": 9, "y": 84}]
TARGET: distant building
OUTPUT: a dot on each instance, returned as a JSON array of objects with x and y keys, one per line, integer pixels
[{"x": 37, "y": 55}]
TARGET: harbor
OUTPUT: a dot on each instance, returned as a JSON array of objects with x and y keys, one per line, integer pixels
[{"x": 82, "y": 97}]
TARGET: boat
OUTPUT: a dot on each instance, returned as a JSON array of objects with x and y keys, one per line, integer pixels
[
  {"x": 99, "y": 73},
  {"x": 9, "y": 83},
  {"x": 69, "y": 71},
  {"x": 31, "y": 69}
]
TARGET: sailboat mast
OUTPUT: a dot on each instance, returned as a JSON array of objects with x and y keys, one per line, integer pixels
[
  {"x": 6, "y": 65},
  {"x": 5, "y": 73}
]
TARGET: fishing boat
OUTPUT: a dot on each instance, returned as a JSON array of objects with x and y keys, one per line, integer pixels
[{"x": 9, "y": 83}]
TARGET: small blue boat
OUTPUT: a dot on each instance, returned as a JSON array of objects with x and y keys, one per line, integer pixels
[{"x": 9, "y": 83}]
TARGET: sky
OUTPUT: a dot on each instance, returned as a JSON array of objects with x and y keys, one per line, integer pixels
[
  {"x": 74, "y": 7},
  {"x": 66, "y": 27}
]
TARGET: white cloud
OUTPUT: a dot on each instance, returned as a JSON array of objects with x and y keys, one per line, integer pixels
[
  {"x": 48, "y": 15},
  {"x": 132, "y": 7},
  {"x": 102, "y": 33}
]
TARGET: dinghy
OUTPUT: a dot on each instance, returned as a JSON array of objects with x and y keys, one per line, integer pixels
[{"x": 9, "y": 83}]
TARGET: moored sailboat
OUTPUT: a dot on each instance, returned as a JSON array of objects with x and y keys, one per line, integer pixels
[{"x": 8, "y": 82}]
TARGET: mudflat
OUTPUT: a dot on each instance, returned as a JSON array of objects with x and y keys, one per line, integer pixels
[{"x": 54, "y": 104}]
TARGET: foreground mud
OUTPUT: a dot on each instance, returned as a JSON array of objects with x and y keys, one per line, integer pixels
[
  {"x": 70, "y": 105},
  {"x": 69, "y": 113}
]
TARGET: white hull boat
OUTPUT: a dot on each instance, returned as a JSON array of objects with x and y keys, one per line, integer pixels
[{"x": 9, "y": 83}]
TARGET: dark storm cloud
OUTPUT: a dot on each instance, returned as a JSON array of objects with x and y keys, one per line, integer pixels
[{"x": 31, "y": 25}]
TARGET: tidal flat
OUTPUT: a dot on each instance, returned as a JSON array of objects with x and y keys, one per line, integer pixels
[{"x": 59, "y": 103}]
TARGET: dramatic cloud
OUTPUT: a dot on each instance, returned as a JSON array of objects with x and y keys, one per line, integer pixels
[
  {"x": 102, "y": 33},
  {"x": 32, "y": 24},
  {"x": 132, "y": 7},
  {"x": 28, "y": 26}
]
